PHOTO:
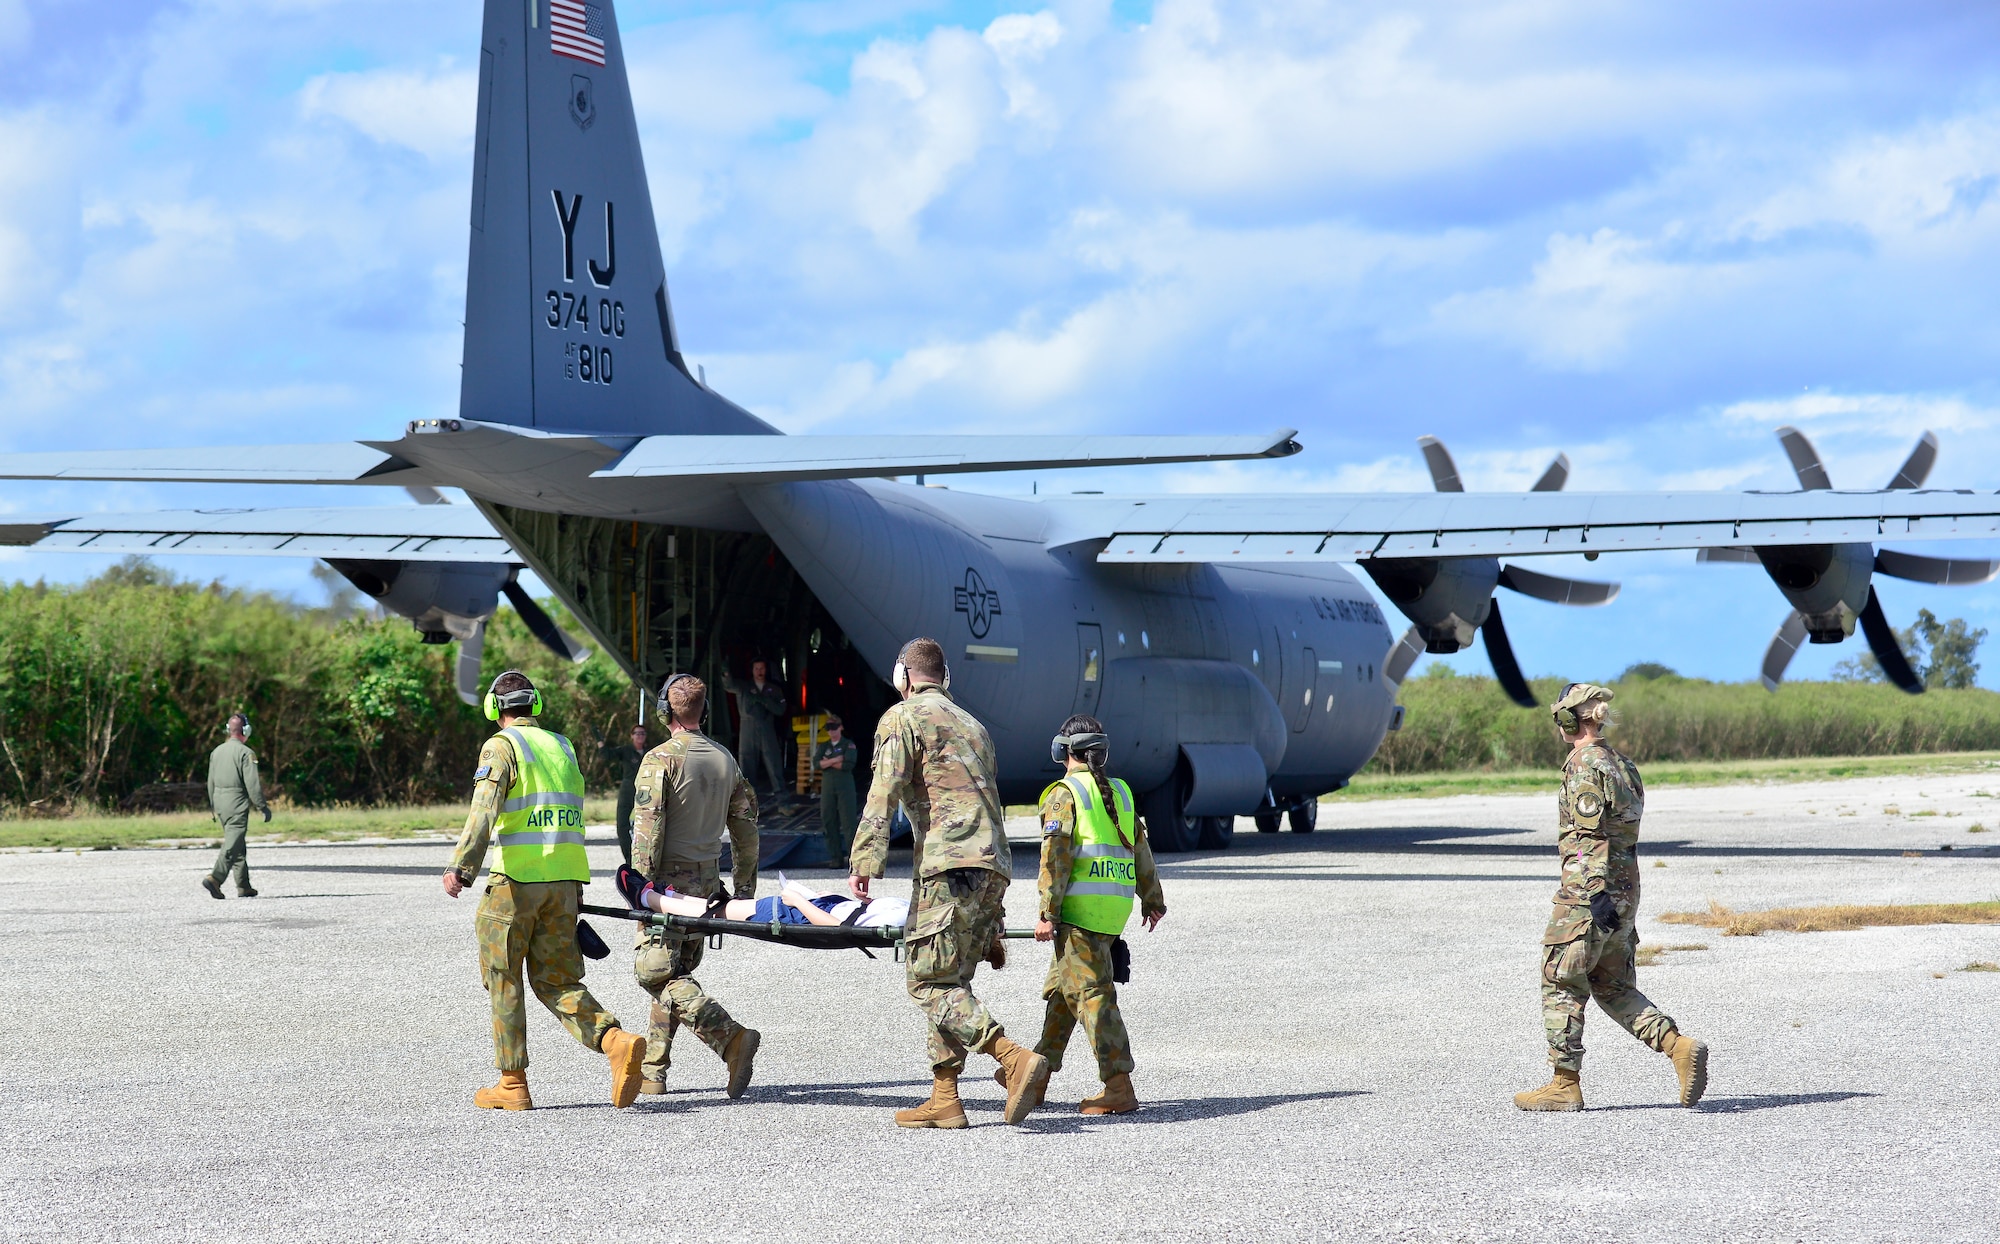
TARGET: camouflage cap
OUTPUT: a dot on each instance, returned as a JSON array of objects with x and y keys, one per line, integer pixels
[{"x": 1578, "y": 694}]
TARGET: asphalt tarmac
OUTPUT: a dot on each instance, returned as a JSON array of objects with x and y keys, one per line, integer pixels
[{"x": 1329, "y": 1029}]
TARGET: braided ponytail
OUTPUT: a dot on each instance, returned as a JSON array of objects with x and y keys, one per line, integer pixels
[{"x": 1095, "y": 758}]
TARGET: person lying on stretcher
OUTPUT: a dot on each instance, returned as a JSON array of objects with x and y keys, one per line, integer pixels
[{"x": 793, "y": 904}]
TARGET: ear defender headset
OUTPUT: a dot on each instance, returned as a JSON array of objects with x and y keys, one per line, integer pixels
[
  {"x": 1064, "y": 745},
  {"x": 1565, "y": 717},
  {"x": 665, "y": 709},
  {"x": 900, "y": 678},
  {"x": 529, "y": 698},
  {"x": 233, "y": 716}
]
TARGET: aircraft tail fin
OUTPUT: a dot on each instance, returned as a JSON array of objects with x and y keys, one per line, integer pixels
[{"x": 568, "y": 325}]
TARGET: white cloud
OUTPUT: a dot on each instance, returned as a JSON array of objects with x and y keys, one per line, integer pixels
[
  {"x": 1936, "y": 178},
  {"x": 1579, "y": 307},
  {"x": 428, "y": 112}
]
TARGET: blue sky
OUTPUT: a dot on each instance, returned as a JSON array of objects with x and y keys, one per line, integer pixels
[{"x": 1641, "y": 233}]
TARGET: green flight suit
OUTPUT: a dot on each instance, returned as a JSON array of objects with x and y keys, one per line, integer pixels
[
  {"x": 234, "y": 792},
  {"x": 839, "y": 807}
]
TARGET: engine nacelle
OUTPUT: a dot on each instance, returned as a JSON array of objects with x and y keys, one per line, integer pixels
[
  {"x": 1448, "y": 598},
  {"x": 444, "y": 600},
  {"x": 1826, "y": 583}
]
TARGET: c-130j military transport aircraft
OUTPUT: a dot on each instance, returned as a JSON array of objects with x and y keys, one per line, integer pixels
[{"x": 1239, "y": 668}]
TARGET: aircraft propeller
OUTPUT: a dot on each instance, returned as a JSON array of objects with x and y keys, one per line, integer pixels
[
  {"x": 1830, "y": 585},
  {"x": 472, "y": 649},
  {"x": 1450, "y": 598}
]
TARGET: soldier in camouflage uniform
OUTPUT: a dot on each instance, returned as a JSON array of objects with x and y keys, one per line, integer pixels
[
  {"x": 623, "y": 760},
  {"x": 936, "y": 760},
  {"x": 1589, "y": 948},
  {"x": 688, "y": 791},
  {"x": 529, "y": 923},
  {"x": 1080, "y": 984}
]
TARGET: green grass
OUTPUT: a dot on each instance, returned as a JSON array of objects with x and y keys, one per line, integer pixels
[
  {"x": 1372, "y": 785},
  {"x": 96, "y": 833}
]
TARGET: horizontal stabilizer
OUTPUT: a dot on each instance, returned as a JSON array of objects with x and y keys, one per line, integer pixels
[
  {"x": 341, "y": 462},
  {"x": 764, "y": 458},
  {"x": 449, "y": 533}
]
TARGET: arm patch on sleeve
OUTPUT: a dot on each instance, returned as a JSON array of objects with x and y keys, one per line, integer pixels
[
  {"x": 482, "y": 773},
  {"x": 1052, "y": 827}
]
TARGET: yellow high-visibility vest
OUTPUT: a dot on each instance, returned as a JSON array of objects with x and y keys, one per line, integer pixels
[
  {"x": 540, "y": 828},
  {"x": 1105, "y": 876}
]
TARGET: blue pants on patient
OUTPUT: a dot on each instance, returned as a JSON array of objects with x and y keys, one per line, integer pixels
[{"x": 775, "y": 908}]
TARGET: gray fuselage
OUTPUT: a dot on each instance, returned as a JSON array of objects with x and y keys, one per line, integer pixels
[{"x": 1283, "y": 660}]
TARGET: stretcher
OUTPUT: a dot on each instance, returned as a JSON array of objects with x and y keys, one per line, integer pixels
[{"x": 804, "y": 936}]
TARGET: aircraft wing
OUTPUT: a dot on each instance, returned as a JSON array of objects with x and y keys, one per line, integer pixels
[
  {"x": 453, "y": 533},
  {"x": 1348, "y": 527}
]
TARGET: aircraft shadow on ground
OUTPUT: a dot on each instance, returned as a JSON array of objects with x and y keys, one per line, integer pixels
[
  {"x": 376, "y": 870},
  {"x": 1753, "y": 1101}
]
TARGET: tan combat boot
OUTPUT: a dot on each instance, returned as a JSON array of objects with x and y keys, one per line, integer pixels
[
  {"x": 510, "y": 1094},
  {"x": 1036, "y": 1095},
  {"x": 1564, "y": 1091},
  {"x": 1116, "y": 1097},
  {"x": 942, "y": 1110},
  {"x": 742, "y": 1052},
  {"x": 652, "y": 1088},
  {"x": 1026, "y": 1077},
  {"x": 625, "y": 1052},
  {"x": 1690, "y": 1065}
]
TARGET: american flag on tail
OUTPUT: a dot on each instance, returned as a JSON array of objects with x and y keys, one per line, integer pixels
[{"x": 576, "y": 30}]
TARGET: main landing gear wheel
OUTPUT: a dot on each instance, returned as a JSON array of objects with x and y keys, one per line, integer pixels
[
  {"x": 1168, "y": 825},
  {"x": 1269, "y": 822},
  {"x": 1215, "y": 833},
  {"x": 1304, "y": 816}
]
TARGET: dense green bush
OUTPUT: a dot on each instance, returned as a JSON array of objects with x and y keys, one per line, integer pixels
[
  {"x": 1455, "y": 722},
  {"x": 126, "y": 681}
]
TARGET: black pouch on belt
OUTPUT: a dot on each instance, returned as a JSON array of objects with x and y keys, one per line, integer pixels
[
  {"x": 589, "y": 942},
  {"x": 1121, "y": 961}
]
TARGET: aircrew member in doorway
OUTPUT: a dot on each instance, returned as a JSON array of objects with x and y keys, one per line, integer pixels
[
  {"x": 1095, "y": 861},
  {"x": 233, "y": 792},
  {"x": 690, "y": 793},
  {"x": 527, "y": 801},
  {"x": 762, "y": 705},
  {"x": 1592, "y": 939},
  {"x": 936, "y": 760},
  {"x": 836, "y": 759}
]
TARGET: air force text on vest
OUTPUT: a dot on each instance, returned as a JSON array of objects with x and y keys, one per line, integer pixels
[
  {"x": 554, "y": 818},
  {"x": 1121, "y": 872}
]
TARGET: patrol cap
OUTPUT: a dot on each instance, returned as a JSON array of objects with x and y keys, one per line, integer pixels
[
  {"x": 1574, "y": 697},
  {"x": 1578, "y": 694}
]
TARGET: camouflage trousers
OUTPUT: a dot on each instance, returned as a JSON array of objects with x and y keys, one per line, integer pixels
[
  {"x": 664, "y": 963},
  {"x": 1594, "y": 964},
  {"x": 1080, "y": 988},
  {"x": 533, "y": 923},
  {"x": 954, "y": 919},
  {"x": 234, "y": 855}
]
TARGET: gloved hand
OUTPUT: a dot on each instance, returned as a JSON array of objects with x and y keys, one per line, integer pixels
[
  {"x": 1604, "y": 913},
  {"x": 267, "y": 816}
]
